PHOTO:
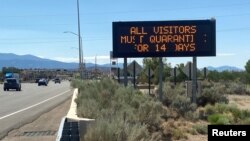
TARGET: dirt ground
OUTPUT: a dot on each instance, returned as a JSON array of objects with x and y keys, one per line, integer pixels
[
  {"x": 42, "y": 129},
  {"x": 242, "y": 101}
]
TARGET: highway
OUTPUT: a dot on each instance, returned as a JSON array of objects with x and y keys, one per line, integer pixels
[{"x": 21, "y": 107}]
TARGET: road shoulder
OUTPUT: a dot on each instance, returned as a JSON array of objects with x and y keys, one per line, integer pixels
[{"x": 43, "y": 128}]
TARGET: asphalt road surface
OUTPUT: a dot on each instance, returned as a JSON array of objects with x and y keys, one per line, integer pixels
[{"x": 21, "y": 107}]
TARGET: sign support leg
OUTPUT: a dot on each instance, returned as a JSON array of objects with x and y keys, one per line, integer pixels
[
  {"x": 134, "y": 74},
  {"x": 118, "y": 69},
  {"x": 125, "y": 72},
  {"x": 175, "y": 76},
  {"x": 160, "y": 78},
  {"x": 194, "y": 80},
  {"x": 149, "y": 76}
]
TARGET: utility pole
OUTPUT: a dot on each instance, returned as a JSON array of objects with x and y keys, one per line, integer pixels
[
  {"x": 80, "y": 43},
  {"x": 95, "y": 67}
]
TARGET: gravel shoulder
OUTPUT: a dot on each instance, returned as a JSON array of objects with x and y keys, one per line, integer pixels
[{"x": 43, "y": 128}]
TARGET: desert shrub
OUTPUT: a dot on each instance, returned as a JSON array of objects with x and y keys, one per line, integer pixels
[
  {"x": 88, "y": 108},
  {"x": 200, "y": 128},
  {"x": 179, "y": 134},
  {"x": 207, "y": 84},
  {"x": 245, "y": 114},
  {"x": 246, "y": 121},
  {"x": 121, "y": 113},
  {"x": 192, "y": 116},
  {"x": 209, "y": 109},
  {"x": 115, "y": 129},
  {"x": 170, "y": 93},
  {"x": 236, "y": 88},
  {"x": 227, "y": 87},
  {"x": 149, "y": 113},
  {"x": 182, "y": 105},
  {"x": 172, "y": 130},
  {"x": 94, "y": 93},
  {"x": 175, "y": 97},
  {"x": 76, "y": 83},
  {"x": 211, "y": 96}
]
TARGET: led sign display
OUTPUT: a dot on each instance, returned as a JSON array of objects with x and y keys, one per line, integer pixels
[{"x": 185, "y": 38}]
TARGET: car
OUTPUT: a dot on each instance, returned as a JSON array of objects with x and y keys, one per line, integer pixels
[
  {"x": 57, "y": 80},
  {"x": 37, "y": 80},
  {"x": 12, "y": 83},
  {"x": 43, "y": 81}
]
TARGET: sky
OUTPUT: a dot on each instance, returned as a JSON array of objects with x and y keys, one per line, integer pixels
[{"x": 37, "y": 27}]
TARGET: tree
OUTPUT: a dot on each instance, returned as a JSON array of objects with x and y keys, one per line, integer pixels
[
  {"x": 10, "y": 69},
  {"x": 154, "y": 64},
  {"x": 213, "y": 76},
  {"x": 247, "y": 67},
  {"x": 181, "y": 76}
]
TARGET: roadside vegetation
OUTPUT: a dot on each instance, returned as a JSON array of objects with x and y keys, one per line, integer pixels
[
  {"x": 126, "y": 114},
  {"x": 121, "y": 113}
]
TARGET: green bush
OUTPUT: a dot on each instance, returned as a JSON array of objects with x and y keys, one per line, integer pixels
[
  {"x": 218, "y": 119},
  {"x": 226, "y": 114}
]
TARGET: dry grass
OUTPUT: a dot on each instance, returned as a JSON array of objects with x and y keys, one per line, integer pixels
[{"x": 242, "y": 101}]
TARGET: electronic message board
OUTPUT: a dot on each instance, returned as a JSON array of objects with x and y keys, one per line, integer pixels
[{"x": 164, "y": 38}]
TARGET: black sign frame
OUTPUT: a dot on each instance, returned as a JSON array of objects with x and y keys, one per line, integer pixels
[{"x": 205, "y": 38}]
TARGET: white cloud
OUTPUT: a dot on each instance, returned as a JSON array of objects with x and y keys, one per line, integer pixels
[
  {"x": 66, "y": 59},
  {"x": 102, "y": 59},
  {"x": 41, "y": 56},
  {"x": 97, "y": 57},
  {"x": 88, "y": 59}
]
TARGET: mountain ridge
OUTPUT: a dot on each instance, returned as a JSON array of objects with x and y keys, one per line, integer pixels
[
  {"x": 30, "y": 61},
  {"x": 224, "y": 68}
]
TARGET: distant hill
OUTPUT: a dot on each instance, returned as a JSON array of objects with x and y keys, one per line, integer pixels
[
  {"x": 224, "y": 68},
  {"x": 30, "y": 61}
]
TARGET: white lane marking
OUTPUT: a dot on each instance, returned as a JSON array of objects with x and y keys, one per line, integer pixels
[{"x": 33, "y": 105}]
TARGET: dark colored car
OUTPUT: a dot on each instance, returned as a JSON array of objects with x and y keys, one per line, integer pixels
[
  {"x": 37, "y": 80},
  {"x": 43, "y": 81},
  {"x": 12, "y": 83},
  {"x": 57, "y": 80}
]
